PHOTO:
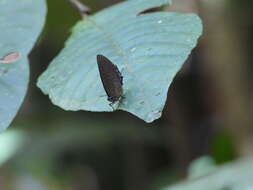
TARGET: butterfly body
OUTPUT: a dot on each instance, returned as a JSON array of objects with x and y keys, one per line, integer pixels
[{"x": 111, "y": 78}]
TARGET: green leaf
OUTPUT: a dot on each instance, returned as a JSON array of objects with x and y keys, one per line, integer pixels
[
  {"x": 148, "y": 49},
  {"x": 232, "y": 176},
  {"x": 20, "y": 24},
  {"x": 201, "y": 166},
  {"x": 10, "y": 142}
]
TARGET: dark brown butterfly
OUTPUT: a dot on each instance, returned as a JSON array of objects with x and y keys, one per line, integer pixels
[{"x": 111, "y": 78}]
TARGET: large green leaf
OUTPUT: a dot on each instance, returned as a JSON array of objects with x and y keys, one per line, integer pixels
[
  {"x": 20, "y": 24},
  {"x": 148, "y": 49},
  {"x": 232, "y": 176}
]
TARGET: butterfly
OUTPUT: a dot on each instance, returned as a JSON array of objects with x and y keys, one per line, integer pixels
[{"x": 111, "y": 78}]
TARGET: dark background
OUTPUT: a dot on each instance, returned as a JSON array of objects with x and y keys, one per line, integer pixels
[{"x": 208, "y": 112}]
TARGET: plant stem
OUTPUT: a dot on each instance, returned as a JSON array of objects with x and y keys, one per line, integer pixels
[{"x": 83, "y": 10}]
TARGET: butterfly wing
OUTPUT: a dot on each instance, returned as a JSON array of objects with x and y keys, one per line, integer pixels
[{"x": 111, "y": 78}]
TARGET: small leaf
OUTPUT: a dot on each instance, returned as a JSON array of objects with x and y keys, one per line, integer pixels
[
  {"x": 20, "y": 24},
  {"x": 148, "y": 49},
  {"x": 201, "y": 166},
  {"x": 233, "y": 176},
  {"x": 10, "y": 142}
]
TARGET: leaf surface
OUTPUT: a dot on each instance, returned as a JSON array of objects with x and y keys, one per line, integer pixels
[
  {"x": 21, "y": 22},
  {"x": 232, "y": 176},
  {"x": 149, "y": 49}
]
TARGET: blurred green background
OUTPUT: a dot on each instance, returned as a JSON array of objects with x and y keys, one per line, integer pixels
[{"x": 208, "y": 112}]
